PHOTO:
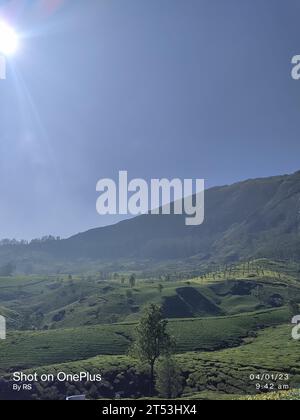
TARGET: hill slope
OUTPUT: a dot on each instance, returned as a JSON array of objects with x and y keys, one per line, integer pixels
[{"x": 251, "y": 218}]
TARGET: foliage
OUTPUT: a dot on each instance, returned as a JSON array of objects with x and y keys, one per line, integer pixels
[
  {"x": 132, "y": 280},
  {"x": 151, "y": 339},
  {"x": 168, "y": 378},
  {"x": 7, "y": 269}
]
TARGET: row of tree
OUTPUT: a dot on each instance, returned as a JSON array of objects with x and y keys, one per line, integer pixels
[{"x": 16, "y": 242}]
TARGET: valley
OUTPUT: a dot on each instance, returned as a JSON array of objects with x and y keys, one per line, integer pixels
[{"x": 228, "y": 324}]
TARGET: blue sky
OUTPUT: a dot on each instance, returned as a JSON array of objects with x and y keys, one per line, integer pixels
[{"x": 160, "y": 88}]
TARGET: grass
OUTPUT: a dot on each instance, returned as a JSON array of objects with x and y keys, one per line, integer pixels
[
  {"x": 229, "y": 370},
  {"x": 36, "y": 348},
  {"x": 226, "y": 328},
  {"x": 292, "y": 395},
  {"x": 218, "y": 375},
  {"x": 54, "y": 302}
]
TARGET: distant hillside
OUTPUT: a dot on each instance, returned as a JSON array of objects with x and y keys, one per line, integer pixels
[{"x": 258, "y": 217}]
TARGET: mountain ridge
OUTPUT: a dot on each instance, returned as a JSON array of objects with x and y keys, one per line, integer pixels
[{"x": 252, "y": 218}]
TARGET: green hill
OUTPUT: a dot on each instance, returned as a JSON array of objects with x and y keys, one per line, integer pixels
[
  {"x": 254, "y": 218},
  {"x": 228, "y": 324},
  {"x": 53, "y": 302},
  {"x": 218, "y": 375},
  {"x": 23, "y": 350}
]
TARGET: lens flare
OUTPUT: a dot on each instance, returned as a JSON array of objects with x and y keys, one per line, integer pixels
[{"x": 8, "y": 39}]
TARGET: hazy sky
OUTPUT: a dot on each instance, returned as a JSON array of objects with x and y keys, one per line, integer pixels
[{"x": 161, "y": 88}]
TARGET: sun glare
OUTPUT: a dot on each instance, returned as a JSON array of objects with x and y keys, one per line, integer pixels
[{"x": 8, "y": 39}]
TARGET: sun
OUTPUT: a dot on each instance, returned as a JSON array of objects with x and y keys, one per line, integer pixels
[{"x": 8, "y": 39}]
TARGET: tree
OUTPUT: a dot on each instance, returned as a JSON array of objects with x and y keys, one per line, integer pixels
[
  {"x": 132, "y": 280},
  {"x": 7, "y": 269},
  {"x": 160, "y": 288},
  {"x": 152, "y": 339},
  {"x": 168, "y": 378},
  {"x": 293, "y": 307}
]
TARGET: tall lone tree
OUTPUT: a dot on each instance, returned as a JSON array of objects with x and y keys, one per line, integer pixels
[
  {"x": 152, "y": 339},
  {"x": 132, "y": 280}
]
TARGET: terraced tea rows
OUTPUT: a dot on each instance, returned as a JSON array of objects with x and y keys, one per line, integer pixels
[{"x": 30, "y": 349}]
